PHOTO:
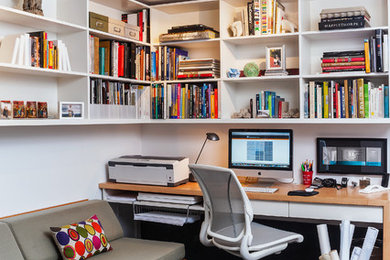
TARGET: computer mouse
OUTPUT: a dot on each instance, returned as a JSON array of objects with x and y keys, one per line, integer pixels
[{"x": 309, "y": 189}]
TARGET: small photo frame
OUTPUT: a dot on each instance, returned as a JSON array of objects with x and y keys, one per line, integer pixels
[
  {"x": 276, "y": 58},
  {"x": 71, "y": 110}
]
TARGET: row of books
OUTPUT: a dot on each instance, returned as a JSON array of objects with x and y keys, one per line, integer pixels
[
  {"x": 261, "y": 17},
  {"x": 344, "y": 18},
  {"x": 181, "y": 101},
  {"x": 374, "y": 57},
  {"x": 34, "y": 50},
  {"x": 20, "y": 109},
  {"x": 268, "y": 104},
  {"x": 346, "y": 99},
  {"x": 119, "y": 59},
  {"x": 165, "y": 62},
  {"x": 104, "y": 92},
  {"x": 142, "y": 20}
]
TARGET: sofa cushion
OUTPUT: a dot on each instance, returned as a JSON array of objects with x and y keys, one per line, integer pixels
[
  {"x": 32, "y": 231},
  {"x": 8, "y": 247},
  {"x": 137, "y": 249},
  {"x": 81, "y": 240}
]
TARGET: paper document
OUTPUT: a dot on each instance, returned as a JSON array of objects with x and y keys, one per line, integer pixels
[
  {"x": 369, "y": 242},
  {"x": 323, "y": 237}
]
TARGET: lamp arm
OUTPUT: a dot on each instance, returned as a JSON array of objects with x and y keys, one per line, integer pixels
[{"x": 201, "y": 150}]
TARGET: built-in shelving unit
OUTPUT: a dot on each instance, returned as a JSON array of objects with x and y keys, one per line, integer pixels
[{"x": 303, "y": 51}]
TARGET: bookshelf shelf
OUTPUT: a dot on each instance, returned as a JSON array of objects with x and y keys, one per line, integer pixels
[
  {"x": 10, "y": 68},
  {"x": 109, "y": 36},
  {"x": 188, "y": 6},
  {"x": 187, "y": 81},
  {"x": 122, "y": 5},
  {"x": 262, "y": 78},
  {"x": 264, "y": 39},
  {"x": 346, "y": 75},
  {"x": 336, "y": 34},
  {"x": 14, "y": 16},
  {"x": 110, "y": 78},
  {"x": 194, "y": 44}
]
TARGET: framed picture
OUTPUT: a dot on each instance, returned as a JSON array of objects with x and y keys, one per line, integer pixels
[
  {"x": 71, "y": 110},
  {"x": 275, "y": 58},
  {"x": 6, "y": 109}
]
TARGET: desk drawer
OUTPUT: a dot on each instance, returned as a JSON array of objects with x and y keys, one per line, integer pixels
[
  {"x": 336, "y": 212},
  {"x": 270, "y": 208}
]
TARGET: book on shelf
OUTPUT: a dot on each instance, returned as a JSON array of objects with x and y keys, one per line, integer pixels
[
  {"x": 119, "y": 59},
  {"x": 35, "y": 50},
  {"x": 198, "y": 68},
  {"x": 357, "y": 98},
  {"x": 263, "y": 17},
  {"x": 165, "y": 62},
  {"x": 372, "y": 58},
  {"x": 134, "y": 96},
  {"x": 141, "y": 21},
  {"x": 269, "y": 105},
  {"x": 344, "y": 18},
  {"x": 185, "y": 101}
]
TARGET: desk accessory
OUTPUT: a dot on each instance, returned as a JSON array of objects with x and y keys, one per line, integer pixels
[
  {"x": 211, "y": 137},
  {"x": 385, "y": 180},
  {"x": 344, "y": 182},
  {"x": 363, "y": 183},
  {"x": 302, "y": 193},
  {"x": 307, "y": 171}
]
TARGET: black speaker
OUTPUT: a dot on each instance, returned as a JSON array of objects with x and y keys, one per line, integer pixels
[{"x": 385, "y": 180}]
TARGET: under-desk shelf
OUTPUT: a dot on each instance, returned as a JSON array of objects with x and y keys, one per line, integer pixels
[{"x": 11, "y": 15}]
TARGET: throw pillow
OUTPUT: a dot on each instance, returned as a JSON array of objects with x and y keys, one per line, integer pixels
[{"x": 81, "y": 240}]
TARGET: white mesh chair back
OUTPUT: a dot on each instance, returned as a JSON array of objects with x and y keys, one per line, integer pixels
[{"x": 228, "y": 212}]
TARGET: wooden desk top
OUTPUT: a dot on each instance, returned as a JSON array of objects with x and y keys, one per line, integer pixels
[{"x": 345, "y": 196}]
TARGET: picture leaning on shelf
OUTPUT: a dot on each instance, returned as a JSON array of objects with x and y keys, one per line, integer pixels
[
  {"x": 357, "y": 98},
  {"x": 261, "y": 17},
  {"x": 20, "y": 110},
  {"x": 35, "y": 50},
  {"x": 374, "y": 57}
]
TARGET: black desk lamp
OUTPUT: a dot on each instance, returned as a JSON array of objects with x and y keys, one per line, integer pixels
[{"x": 211, "y": 137}]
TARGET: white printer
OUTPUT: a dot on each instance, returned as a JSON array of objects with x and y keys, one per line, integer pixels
[{"x": 152, "y": 170}]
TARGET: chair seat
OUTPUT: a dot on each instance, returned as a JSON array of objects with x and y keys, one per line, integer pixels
[{"x": 263, "y": 238}]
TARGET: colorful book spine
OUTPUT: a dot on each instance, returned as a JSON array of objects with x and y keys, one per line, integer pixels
[
  {"x": 366, "y": 101},
  {"x": 326, "y": 99},
  {"x": 386, "y": 101},
  {"x": 367, "y": 55}
]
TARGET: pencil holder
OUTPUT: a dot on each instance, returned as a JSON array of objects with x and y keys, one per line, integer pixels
[{"x": 307, "y": 177}]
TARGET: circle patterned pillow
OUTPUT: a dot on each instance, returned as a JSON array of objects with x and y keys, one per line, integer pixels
[{"x": 81, "y": 240}]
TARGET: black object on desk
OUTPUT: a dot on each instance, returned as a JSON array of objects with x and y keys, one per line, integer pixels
[{"x": 302, "y": 193}]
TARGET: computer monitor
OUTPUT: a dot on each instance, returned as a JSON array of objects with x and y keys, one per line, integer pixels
[{"x": 263, "y": 153}]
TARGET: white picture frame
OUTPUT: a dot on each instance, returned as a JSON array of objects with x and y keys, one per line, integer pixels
[
  {"x": 71, "y": 110},
  {"x": 275, "y": 58}
]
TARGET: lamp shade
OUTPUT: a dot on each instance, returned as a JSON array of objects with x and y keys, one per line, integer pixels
[{"x": 212, "y": 136}]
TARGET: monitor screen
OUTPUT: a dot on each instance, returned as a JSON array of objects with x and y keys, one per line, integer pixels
[{"x": 260, "y": 149}]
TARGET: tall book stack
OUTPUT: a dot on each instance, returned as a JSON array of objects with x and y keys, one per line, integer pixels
[
  {"x": 165, "y": 62},
  {"x": 344, "y": 18},
  {"x": 356, "y": 98},
  {"x": 268, "y": 104},
  {"x": 140, "y": 19},
  {"x": 199, "y": 68},
  {"x": 119, "y": 59},
  {"x": 35, "y": 50},
  {"x": 341, "y": 61}
]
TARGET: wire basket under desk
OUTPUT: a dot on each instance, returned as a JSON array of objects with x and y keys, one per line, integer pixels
[{"x": 167, "y": 213}]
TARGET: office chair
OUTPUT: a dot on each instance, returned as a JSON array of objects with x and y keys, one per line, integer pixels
[{"x": 228, "y": 217}]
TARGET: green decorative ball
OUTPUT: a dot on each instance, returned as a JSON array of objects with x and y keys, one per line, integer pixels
[{"x": 251, "y": 70}]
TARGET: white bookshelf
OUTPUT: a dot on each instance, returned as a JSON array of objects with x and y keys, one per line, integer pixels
[{"x": 304, "y": 49}]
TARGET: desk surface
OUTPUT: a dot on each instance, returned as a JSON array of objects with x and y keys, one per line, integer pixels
[{"x": 346, "y": 196}]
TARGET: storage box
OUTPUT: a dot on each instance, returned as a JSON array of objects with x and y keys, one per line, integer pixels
[
  {"x": 132, "y": 31},
  {"x": 98, "y": 22},
  {"x": 116, "y": 27}
]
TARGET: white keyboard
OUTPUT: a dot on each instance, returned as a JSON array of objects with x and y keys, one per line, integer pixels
[{"x": 260, "y": 189}]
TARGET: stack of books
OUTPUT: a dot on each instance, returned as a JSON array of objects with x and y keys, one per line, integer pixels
[
  {"x": 199, "y": 68},
  {"x": 34, "y": 50},
  {"x": 373, "y": 58},
  {"x": 165, "y": 62},
  {"x": 189, "y": 32},
  {"x": 268, "y": 104},
  {"x": 356, "y": 98},
  {"x": 344, "y": 18},
  {"x": 119, "y": 59},
  {"x": 341, "y": 61}
]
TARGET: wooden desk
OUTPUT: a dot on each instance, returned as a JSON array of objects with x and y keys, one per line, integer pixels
[{"x": 329, "y": 197}]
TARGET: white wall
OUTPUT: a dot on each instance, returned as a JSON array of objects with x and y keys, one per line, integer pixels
[
  {"x": 47, "y": 166},
  {"x": 186, "y": 140}
]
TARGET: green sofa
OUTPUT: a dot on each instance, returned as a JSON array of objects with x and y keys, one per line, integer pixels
[{"x": 28, "y": 236}]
